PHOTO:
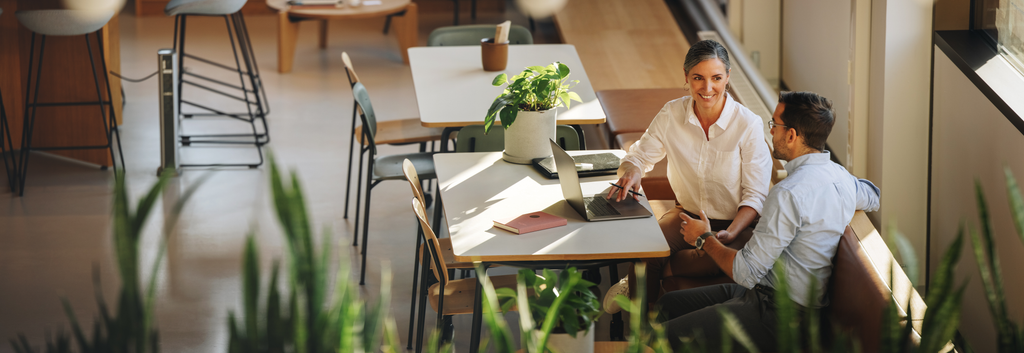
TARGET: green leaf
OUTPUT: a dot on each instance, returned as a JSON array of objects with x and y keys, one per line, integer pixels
[
  {"x": 563, "y": 70},
  {"x": 734, "y": 328},
  {"x": 500, "y": 79},
  {"x": 1016, "y": 202},
  {"x": 508, "y": 116}
]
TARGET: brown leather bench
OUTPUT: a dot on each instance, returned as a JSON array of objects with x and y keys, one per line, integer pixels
[
  {"x": 632, "y": 110},
  {"x": 857, "y": 293}
]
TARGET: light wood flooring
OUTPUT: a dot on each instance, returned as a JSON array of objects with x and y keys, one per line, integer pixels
[{"x": 52, "y": 238}]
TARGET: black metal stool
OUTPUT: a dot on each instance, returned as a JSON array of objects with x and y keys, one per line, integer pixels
[
  {"x": 45, "y": 23},
  {"x": 250, "y": 90}
]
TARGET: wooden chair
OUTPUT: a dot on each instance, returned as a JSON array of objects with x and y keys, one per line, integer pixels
[
  {"x": 379, "y": 168},
  {"x": 445, "y": 245},
  {"x": 391, "y": 132},
  {"x": 448, "y": 297},
  {"x": 472, "y": 139},
  {"x": 472, "y": 34}
]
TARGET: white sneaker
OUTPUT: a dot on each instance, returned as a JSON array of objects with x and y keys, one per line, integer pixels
[{"x": 610, "y": 306}]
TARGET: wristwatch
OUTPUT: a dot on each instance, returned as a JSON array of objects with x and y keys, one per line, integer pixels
[{"x": 700, "y": 240}]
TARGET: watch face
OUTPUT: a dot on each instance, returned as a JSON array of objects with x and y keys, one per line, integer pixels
[{"x": 699, "y": 243}]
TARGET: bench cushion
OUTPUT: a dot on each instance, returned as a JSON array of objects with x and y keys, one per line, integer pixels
[
  {"x": 857, "y": 295},
  {"x": 632, "y": 110}
]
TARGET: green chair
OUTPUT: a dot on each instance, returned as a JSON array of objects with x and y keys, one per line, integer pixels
[
  {"x": 472, "y": 34},
  {"x": 472, "y": 139},
  {"x": 379, "y": 168}
]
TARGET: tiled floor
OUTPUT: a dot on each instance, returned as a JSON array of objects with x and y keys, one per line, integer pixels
[{"x": 53, "y": 238}]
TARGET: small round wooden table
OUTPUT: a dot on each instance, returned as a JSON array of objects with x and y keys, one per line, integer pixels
[{"x": 404, "y": 13}]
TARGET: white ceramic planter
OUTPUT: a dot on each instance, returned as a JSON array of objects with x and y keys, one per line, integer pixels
[
  {"x": 527, "y": 137},
  {"x": 562, "y": 342}
]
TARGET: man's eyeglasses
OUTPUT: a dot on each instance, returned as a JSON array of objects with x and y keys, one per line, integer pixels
[{"x": 772, "y": 124}]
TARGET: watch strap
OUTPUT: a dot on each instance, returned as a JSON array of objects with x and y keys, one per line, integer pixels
[{"x": 702, "y": 238}]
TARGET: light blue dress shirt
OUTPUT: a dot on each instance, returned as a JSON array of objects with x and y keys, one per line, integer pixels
[{"x": 803, "y": 219}]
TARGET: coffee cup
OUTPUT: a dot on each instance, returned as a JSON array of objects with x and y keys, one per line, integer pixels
[{"x": 493, "y": 55}]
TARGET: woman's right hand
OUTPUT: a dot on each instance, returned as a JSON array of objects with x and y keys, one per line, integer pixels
[{"x": 629, "y": 179}]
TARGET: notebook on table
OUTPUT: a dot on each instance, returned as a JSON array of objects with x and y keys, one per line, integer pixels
[{"x": 591, "y": 207}]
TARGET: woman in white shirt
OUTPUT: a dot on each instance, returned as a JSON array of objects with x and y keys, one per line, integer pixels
[{"x": 718, "y": 161}]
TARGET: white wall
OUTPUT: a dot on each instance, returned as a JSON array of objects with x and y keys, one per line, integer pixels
[
  {"x": 757, "y": 24},
  {"x": 972, "y": 139},
  {"x": 816, "y": 52},
  {"x": 897, "y": 145}
]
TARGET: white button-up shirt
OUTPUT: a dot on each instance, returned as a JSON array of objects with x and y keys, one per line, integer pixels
[{"x": 719, "y": 173}]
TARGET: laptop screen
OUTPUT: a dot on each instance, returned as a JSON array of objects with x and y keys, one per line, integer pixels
[{"x": 568, "y": 178}]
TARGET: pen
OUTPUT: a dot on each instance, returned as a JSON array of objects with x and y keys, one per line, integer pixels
[{"x": 630, "y": 191}]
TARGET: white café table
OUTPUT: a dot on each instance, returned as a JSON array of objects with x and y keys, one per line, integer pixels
[
  {"x": 453, "y": 90},
  {"x": 478, "y": 188}
]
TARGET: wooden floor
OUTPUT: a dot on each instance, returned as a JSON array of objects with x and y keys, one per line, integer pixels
[
  {"x": 51, "y": 239},
  {"x": 626, "y": 44}
]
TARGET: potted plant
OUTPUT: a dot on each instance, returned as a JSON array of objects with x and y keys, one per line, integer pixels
[
  {"x": 563, "y": 309},
  {"x": 530, "y": 98}
]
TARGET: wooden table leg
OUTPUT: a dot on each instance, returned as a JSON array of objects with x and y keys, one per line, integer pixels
[
  {"x": 287, "y": 35},
  {"x": 407, "y": 30},
  {"x": 323, "y": 34}
]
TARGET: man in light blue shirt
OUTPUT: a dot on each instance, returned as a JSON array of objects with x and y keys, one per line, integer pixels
[{"x": 803, "y": 218}]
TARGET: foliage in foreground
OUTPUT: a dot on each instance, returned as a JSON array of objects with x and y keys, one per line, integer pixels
[
  {"x": 1009, "y": 335},
  {"x": 306, "y": 321},
  {"x": 131, "y": 328}
]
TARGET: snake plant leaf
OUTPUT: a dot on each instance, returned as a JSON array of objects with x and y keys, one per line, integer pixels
[
  {"x": 495, "y": 322},
  {"x": 500, "y": 79},
  {"x": 1016, "y": 202},
  {"x": 251, "y": 290},
  {"x": 734, "y": 328},
  {"x": 788, "y": 325}
]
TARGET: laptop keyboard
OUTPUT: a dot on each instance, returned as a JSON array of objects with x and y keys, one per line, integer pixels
[{"x": 599, "y": 206}]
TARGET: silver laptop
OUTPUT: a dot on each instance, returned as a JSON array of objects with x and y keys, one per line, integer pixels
[{"x": 593, "y": 207}]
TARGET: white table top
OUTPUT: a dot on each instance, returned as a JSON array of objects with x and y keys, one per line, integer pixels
[
  {"x": 452, "y": 88},
  {"x": 477, "y": 188}
]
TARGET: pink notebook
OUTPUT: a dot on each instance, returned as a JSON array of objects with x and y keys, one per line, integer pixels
[{"x": 530, "y": 222}]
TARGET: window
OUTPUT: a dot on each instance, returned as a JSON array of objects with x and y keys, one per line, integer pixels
[{"x": 1003, "y": 20}]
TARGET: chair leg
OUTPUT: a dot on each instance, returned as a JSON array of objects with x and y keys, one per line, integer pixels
[
  {"x": 351, "y": 149},
  {"x": 108, "y": 124},
  {"x": 113, "y": 117},
  {"x": 5, "y": 136},
  {"x": 29, "y": 120},
  {"x": 455, "y": 21},
  {"x": 415, "y": 278},
  {"x": 359, "y": 189},
  {"x": 253, "y": 71},
  {"x": 424, "y": 287},
  {"x": 233, "y": 35},
  {"x": 366, "y": 219}
]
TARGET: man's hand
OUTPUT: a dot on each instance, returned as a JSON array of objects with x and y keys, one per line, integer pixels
[
  {"x": 692, "y": 228},
  {"x": 629, "y": 179}
]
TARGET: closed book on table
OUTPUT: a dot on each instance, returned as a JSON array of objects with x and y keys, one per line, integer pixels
[{"x": 530, "y": 222}]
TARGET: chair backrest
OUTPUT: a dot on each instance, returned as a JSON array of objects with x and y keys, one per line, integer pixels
[
  {"x": 472, "y": 139},
  {"x": 351, "y": 72},
  {"x": 430, "y": 239},
  {"x": 362, "y": 98},
  {"x": 472, "y": 34},
  {"x": 414, "y": 179}
]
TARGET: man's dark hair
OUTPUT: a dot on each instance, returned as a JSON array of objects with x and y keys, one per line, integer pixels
[{"x": 810, "y": 114}]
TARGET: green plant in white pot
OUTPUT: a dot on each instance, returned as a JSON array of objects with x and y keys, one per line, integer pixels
[
  {"x": 529, "y": 100},
  {"x": 563, "y": 309}
]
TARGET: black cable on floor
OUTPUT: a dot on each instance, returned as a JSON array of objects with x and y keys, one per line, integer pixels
[{"x": 134, "y": 80}]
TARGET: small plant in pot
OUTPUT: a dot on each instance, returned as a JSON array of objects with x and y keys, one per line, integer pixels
[
  {"x": 562, "y": 307},
  {"x": 530, "y": 98}
]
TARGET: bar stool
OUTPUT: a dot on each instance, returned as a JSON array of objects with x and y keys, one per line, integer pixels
[
  {"x": 65, "y": 22},
  {"x": 5, "y": 137},
  {"x": 249, "y": 91}
]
